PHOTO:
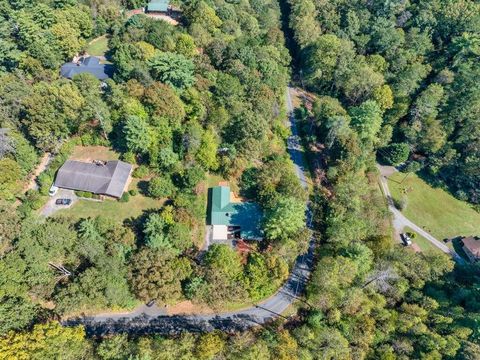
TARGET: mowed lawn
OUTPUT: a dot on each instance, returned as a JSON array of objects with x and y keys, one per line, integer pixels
[
  {"x": 90, "y": 153},
  {"x": 98, "y": 46},
  {"x": 434, "y": 209},
  {"x": 112, "y": 208}
]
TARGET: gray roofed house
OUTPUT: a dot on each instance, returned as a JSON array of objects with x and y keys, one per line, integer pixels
[
  {"x": 104, "y": 179},
  {"x": 89, "y": 65}
]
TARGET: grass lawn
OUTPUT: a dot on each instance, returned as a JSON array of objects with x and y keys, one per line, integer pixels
[
  {"x": 113, "y": 208},
  {"x": 423, "y": 243},
  {"x": 89, "y": 153},
  {"x": 434, "y": 209},
  {"x": 98, "y": 46}
]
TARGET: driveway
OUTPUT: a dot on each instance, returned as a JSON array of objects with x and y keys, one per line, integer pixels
[
  {"x": 50, "y": 207},
  {"x": 143, "y": 321},
  {"x": 400, "y": 221}
]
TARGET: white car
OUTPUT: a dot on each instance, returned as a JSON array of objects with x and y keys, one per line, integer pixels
[
  {"x": 406, "y": 239},
  {"x": 53, "y": 190}
]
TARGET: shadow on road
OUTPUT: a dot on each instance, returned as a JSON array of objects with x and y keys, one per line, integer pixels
[{"x": 165, "y": 325}]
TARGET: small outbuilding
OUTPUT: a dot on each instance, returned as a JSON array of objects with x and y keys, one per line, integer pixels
[
  {"x": 471, "y": 246},
  {"x": 233, "y": 219},
  {"x": 90, "y": 65},
  {"x": 103, "y": 178}
]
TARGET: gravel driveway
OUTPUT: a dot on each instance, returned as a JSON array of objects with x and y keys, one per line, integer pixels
[{"x": 50, "y": 207}]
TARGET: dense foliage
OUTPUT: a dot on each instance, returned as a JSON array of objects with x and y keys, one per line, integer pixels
[
  {"x": 384, "y": 74},
  {"x": 185, "y": 102},
  {"x": 397, "y": 79},
  {"x": 418, "y": 60}
]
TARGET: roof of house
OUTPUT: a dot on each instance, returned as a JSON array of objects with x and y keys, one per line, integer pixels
[
  {"x": 247, "y": 215},
  {"x": 89, "y": 65},
  {"x": 473, "y": 244},
  {"x": 108, "y": 179},
  {"x": 158, "y": 5}
]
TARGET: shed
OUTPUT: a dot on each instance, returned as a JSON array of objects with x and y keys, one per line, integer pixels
[{"x": 108, "y": 178}]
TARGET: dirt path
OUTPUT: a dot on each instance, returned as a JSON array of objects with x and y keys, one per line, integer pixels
[{"x": 41, "y": 167}]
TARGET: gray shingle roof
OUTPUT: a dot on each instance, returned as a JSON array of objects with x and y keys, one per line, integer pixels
[
  {"x": 89, "y": 65},
  {"x": 108, "y": 179}
]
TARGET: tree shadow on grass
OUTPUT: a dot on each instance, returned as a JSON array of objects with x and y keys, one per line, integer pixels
[{"x": 143, "y": 187}]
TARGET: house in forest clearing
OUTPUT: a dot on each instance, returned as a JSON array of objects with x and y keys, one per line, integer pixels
[
  {"x": 233, "y": 220},
  {"x": 90, "y": 65},
  {"x": 109, "y": 178}
]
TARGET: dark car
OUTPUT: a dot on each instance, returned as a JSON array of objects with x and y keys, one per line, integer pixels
[{"x": 63, "y": 201}]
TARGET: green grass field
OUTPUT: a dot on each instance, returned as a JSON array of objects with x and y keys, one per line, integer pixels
[
  {"x": 113, "y": 208},
  {"x": 98, "y": 46},
  {"x": 434, "y": 209}
]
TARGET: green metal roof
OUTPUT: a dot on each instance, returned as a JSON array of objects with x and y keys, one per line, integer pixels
[
  {"x": 158, "y": 5},
  {"x": 247, "y": 215}
]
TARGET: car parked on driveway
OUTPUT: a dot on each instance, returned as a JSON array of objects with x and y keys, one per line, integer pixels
[
  {"x": 63, "y": 202},
  {"x": 53, "y": 190},
  {"x": 406, "y": 239}
]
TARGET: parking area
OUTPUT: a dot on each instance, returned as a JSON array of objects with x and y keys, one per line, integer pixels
[{"x": 50, "y": 207}]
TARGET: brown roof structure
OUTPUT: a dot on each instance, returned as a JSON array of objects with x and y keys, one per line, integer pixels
[
  {"x": 107, "y": 178},
  {"x": 472, "y": 244}
]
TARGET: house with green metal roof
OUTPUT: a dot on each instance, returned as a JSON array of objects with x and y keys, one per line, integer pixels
[
  {"x": 230, "y": 219},
  {"x": 158, "y": 6}
]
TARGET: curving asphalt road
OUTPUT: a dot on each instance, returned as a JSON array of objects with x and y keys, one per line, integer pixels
[
  {"x": 400, "y": 221},
  {"x": 149, "y": 320}
]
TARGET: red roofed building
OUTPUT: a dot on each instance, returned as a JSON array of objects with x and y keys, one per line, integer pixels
[{"x": 471, "y": 246}]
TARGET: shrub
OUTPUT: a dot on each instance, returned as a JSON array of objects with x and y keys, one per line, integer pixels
[
  {"x": 412, "y": 167},
  {"x": 84, "y": 194},
  {"x": 93, "y": 139},
  {"x": 24, "y": 210},
  {"x": 33, "y": 199},
  {"x": 401, "y": 204},
  {"x": 133, "y": 192},
  {"x": 167, "y": 158},
  {"x": 141, "y": 172},
  {"x": 129, "y": 157},
  {"x": 45, "y": 180},
  {"x": 160, "y": 187},
  {"x": 395, "y": 154},
  {"x": 125, "y": 197},
  {"x": 87, "y": 139},
  {"x": 192, "y": 176}
]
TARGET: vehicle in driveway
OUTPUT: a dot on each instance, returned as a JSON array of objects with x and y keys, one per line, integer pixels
[
  {"x": 53, "y": 190},
  {"x": 406, "y": 239},
  {"x": 63, "y": 202}
]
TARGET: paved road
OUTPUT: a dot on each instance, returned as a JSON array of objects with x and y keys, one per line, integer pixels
[
  {"x": 146, "y": 320},
  {"x": 293, "y": 143},
  {"x": 400, "y": 221}
]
